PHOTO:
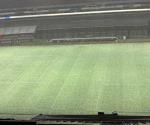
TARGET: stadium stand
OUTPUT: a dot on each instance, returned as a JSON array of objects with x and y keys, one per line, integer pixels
[
  {"x": 20, "y": 7},
  {"x": 120, "y": 25},
  {"x": 37, "y": 3},
  {"x": 133, "y": 25}
]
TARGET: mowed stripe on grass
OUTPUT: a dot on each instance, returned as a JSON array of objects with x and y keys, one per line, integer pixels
[{"x": 78, "y": 79}]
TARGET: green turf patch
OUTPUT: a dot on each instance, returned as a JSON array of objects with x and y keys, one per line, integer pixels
[{"x": 79, "y": 79}]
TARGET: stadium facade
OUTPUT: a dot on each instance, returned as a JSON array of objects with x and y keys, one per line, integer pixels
[{"x": 130, "y": 25}]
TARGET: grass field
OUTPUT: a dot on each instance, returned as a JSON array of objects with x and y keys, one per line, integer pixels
[{"x": 75, "y": 79}]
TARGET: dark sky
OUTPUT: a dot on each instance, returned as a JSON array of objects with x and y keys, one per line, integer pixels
[{"x": 32, "y": 3}]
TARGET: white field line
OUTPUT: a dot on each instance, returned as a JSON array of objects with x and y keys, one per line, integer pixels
[{"x": 76, "y": 13}]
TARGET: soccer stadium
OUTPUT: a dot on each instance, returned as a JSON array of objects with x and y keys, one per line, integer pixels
[{"x": 67, "y": 60}]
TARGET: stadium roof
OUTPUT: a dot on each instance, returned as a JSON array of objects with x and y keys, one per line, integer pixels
[{"x": 17, "y": 30}]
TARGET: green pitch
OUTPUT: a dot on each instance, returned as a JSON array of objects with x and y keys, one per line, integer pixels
[{"x": 75, "y": 79}]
